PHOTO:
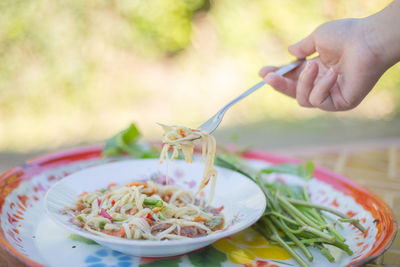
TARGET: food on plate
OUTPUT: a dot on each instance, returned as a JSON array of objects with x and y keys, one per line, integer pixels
[
  {"x": 291, "y": 219},
  {"x": 182, "y": 138},
  {"x": 145, "y": 210}
]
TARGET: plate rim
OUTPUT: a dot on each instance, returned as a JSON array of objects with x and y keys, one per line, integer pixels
[{"x": 50, "y": 160}]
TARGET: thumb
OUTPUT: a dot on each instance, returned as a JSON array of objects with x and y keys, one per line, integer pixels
[{"x": 303, "y": 48}]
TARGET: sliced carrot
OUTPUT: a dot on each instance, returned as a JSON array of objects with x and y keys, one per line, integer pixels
[
  {"x": 80, "y": 206},
  {"x": 199, "y": 219},
  {"x": 111, "y": 185},
  {"x": 158, "y": 209},
  {"x": 137, "y": 184},
  {"x": 133, "y": 211},
  {"x": 113, "y": 233},
  {"x": 82, "y": 194},
  {"x": 122, "y": 231},
  {"x": 181, "y": 132},
  {"x": 149, "y": 221},
  {"x": 219, "y": 209}
]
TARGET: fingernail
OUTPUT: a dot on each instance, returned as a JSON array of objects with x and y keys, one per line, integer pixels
[
  {"x": 267, "y": 77},
  {"x": 308, "y": 66}
]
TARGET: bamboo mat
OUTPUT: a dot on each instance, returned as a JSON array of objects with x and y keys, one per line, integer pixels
[{"x": 375, "y": 165}]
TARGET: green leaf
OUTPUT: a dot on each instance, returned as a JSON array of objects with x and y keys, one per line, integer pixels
[
  {"x": 102, "y": 224},
  {"x": 111, "y": 147},
  {"x": 169, "y": 262},
  {"x": 82, "y": 239},
  {"x": 127, "y": 142},
  {"x": 130, "y": 135},
  {"x": 207, "y": 257},
  {"x": 310, "y": 169},
  {"x": 293, "y": 191},
  {"x": 288, "y": 168},
  {"x": 304, "y": 172},
  {"x": 121, "y": 141}
]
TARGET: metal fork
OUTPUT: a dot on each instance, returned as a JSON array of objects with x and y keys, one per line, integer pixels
[{"x": 210, "y": 125}]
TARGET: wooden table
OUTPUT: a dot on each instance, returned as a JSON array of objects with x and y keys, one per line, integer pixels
[{"x": 376, "y": 165}]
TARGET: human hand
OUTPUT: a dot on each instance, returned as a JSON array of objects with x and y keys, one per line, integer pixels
[{"x": 347, "y": 67}]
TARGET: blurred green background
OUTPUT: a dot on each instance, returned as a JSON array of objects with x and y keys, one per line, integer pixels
[{"x": 74, "y": 72}]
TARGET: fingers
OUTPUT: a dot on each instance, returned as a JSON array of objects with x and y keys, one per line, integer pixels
[
  {"x": 321, "y": 91},
  {"x": 306, "y": 83},
  {"x": 282, "y": 84},
  {"x": 303, "y": 48},
  {"x": 265, "y": 70}
]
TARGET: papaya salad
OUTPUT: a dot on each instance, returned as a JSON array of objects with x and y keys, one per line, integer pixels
[
  {"x": 182, "y": 138},
  {"x": 301, "y": 227},
  {"x": 146, "y": 211}
]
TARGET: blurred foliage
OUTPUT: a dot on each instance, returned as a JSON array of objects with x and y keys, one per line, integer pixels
[
  {"x": 79, "y": 71},
  {"x": 163, "y": 25}
]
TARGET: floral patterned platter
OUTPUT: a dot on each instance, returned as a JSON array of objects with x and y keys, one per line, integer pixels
[
  {"x": 241, "y": 201},
  {"x": 30, "y": 235}
]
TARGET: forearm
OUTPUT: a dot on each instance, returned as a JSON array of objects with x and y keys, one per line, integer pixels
[{"x": 382, "y": 33}]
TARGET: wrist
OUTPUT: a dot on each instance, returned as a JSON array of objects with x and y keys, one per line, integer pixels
[{"x": 382, "y": 34}]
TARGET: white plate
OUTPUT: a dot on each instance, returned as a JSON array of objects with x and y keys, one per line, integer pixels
[{"x": 243, "y": 201}]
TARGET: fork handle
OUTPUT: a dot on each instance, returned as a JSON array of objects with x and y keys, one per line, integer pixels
[
  {"x": 281, "y": 71},
  {"x": 211, "y": 124}
]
